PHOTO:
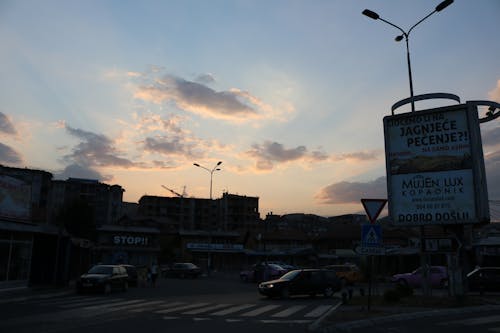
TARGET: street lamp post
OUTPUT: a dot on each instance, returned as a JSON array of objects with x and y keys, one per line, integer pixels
[
  {"x": 211, "y": 171},
  {"x": 405, "y": 35}
]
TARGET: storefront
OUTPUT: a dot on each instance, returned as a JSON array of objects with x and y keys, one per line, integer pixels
[
  {"x": 133, "y": 245},
  {"x": 16, "y": 243}
]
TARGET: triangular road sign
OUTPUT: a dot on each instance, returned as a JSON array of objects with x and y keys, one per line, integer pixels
[{"x": 373, "y": 207}]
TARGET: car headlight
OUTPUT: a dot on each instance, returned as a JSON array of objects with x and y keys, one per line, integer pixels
[{"x": 270, "y": 285}]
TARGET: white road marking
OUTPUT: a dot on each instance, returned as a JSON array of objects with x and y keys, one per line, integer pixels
[
  {"x": 274, "y": 321},
  {"x": 318, "y": 311},
  {"x": 75, "y": 304},
  {"x": 233, "y": 309},
  {"x": 291, "y": 310},
  {"x": 180, "y": 308},
  {"x": 145, "y": 308},
  {"x": 207, "y": 309},
  {"x": 260, "y": 310}
]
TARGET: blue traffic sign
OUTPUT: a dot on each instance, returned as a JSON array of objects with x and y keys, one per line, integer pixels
[{"x": 371, "y": 235}]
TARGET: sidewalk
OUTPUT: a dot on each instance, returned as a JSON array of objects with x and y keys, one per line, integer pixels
[{"x": 355, "y": 314}]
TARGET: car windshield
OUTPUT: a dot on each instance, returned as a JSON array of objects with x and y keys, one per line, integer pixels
[
  {"x": 101, "y": 270},
  {"x": 290, "y": 275}
]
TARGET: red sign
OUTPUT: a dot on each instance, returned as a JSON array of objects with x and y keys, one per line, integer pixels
[{"x": 373, "y": 207}]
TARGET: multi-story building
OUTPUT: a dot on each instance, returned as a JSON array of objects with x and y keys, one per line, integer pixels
[
  {"x": 210, "y": 232},
  {"x": 23, "y": 222},
  {"x": 105, "y": 200}
]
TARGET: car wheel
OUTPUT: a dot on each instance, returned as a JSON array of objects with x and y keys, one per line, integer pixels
[
  {"x": 343, "y": 282},
  {"x": 328, "y": 292},
  {"x": 107, "y": 289},
  {"x": 125, "y": 286},
  {"x": 285, "y": 293}
]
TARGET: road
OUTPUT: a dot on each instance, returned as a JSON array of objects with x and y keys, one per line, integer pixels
[{"x": 213, "y": 304}]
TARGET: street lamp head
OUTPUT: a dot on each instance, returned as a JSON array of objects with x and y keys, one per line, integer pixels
[
  {"x": 219, "y": 163},
  {"x": 443, "y": 5},
  {"x": 196, "y": 164},
  {"x": 370, "y": 14},
  {"x": 399, "y": 38}
]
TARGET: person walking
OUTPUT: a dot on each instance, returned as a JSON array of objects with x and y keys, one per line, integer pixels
[{"x": 154, "y": 273}]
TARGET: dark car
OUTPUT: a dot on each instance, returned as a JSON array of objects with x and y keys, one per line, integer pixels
[
  {"x": 132, "y": 275},
  {"x": 262, "y": 272},
  {"x": 183, "y": 270},
  {"x": 484, "y": 279},
  {"x": 103, "y": 278},
  {"x": 302, "y": 282}
]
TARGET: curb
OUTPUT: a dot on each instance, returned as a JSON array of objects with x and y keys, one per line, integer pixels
[{"x": 348, "y": 326}]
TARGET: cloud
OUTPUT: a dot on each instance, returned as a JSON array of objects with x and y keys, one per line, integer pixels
[
  {"x": 491, "y": 137},
  {"x": 168, "y": 146},
  {"x": 196, "y": 97},
  {"x": 494, "y": 94},
  {"x": 166, "y": 136},
  {"x": 352, "y": 192},
  {"x": 269, "y": 153},
  {"x": 205, "y": 78},
  {"x": 96, "y": 150},
  {"x": 9, "y": 155},
  {"x": 6, "y": 125},
  {"x": 358, "y": 156},
  {"x": 492, "y": 167},
  {"x": 79, "y": 171}
]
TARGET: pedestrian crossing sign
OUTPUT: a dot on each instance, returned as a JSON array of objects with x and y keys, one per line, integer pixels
[{"x": 371, "y": 235}]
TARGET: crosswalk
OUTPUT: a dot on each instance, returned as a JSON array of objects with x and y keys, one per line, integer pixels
[{"x": 82, "y": 306}]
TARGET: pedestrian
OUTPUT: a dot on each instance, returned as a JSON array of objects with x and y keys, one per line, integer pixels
[
  {"x": 149, "y": 278},
  {"x": 154, "y": 273}
]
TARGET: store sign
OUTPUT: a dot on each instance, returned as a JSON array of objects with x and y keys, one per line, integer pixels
[
  {"x": 130, "y": 240},
  {"x": 214, "y": 246},
  {"x": 435, "y": 167},
  {"x": 15, "y": 198}
]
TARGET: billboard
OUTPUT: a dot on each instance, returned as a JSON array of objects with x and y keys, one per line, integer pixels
[
  {"x": 15, "y": 198},
  {"x": 435, "y": 167}
]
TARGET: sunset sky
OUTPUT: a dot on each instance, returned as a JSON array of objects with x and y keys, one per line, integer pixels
[{"x": 289, "y": 95}]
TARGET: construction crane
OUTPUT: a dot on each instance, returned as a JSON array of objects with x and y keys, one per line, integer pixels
[{"x": 176, "y": 193}]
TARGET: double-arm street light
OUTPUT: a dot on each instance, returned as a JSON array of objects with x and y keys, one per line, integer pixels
[
  {"x": 211, "y": 171},
  {"x": 405, "y": 35}
]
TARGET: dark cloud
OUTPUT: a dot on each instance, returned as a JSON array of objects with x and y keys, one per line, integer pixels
[
  {"x": 79, "y": 171},
  {"x": 352, "y": 192},
  {"x": 9, "y": 155},
  {"x": 491, "y": 137},
  {"x": 205, "y": 78},
  {"x": 96, "y": 150},
  {"x": 196, "y": 97},
  {"x": 5, "y": 125},
  {"x": 167, "y": 146},
  {"x": 269, "y": 153}
]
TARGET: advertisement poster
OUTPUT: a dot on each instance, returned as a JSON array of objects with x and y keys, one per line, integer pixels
[
  {"x": 430, "y": 168},
  {"x": 15, "y": 198}
]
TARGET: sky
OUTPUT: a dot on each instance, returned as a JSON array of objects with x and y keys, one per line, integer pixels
[{"x": 290, "y": 95}]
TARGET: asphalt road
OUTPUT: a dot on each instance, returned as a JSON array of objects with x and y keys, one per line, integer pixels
[{"x": 215, "y": 304}]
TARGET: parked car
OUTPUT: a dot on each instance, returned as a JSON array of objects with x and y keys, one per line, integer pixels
[
  {"x": 347, "y": 273},
  {"x": 484, "y": 279},
  {"x": 103, "y": 278},
  {"x": 132, "y": 274},
  {"x": 302, "y": 282},
  {"x": 262, "y": 272},
  {"x": 183, "y": 270},
  {"x": 438, "y": 277}
]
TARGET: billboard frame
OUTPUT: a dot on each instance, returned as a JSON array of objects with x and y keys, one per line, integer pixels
[{"x": 402, "y": 211}]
